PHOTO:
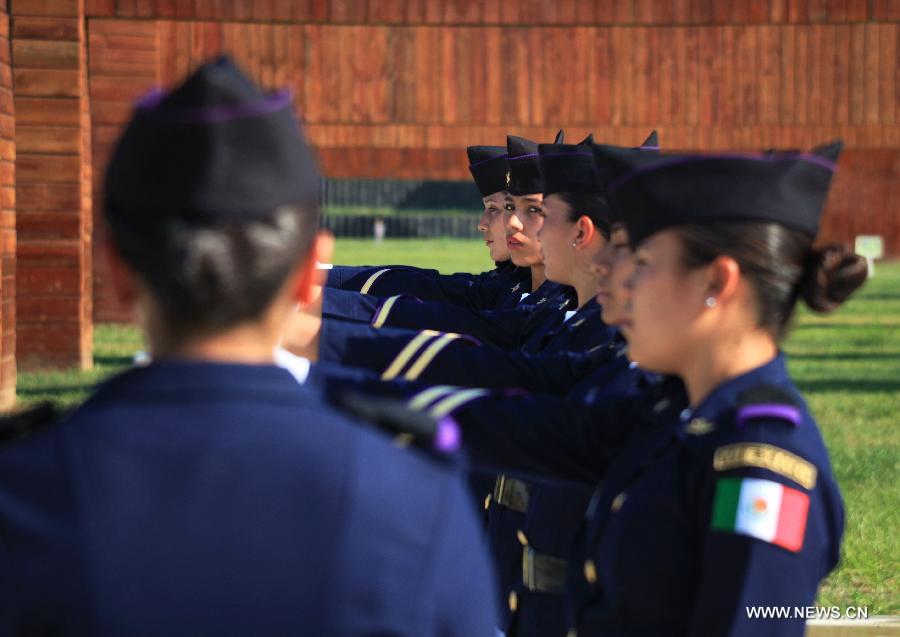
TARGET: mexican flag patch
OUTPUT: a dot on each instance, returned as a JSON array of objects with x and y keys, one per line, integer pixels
[{"x": 762, "y": 509}]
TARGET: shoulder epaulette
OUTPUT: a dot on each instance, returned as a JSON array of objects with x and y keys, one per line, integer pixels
[
  {"x": 20, "y": 424},
  {"x": 767, "y": 402}
]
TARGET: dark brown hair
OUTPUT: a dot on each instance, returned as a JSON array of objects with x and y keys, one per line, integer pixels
[
  {"x": 207, "y": 279},
  {"x": 591, "y": 205},
  {"x": 781, "y": 262}
]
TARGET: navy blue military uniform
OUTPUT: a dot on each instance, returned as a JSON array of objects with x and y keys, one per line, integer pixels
[
  {"x": 532, "y": 522},
  {"x": 658, "y": 554},
  {"x": 196, "y": 496},
  {"x": 182, "y": 487},
  {"x": 489, "y": 166},
  {"x": 486, "y": 290},
  {"x": 555, "y": 357},
  {"x": 507, "y": 328}
]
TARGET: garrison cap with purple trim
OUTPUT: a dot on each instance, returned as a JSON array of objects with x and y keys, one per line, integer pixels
[
  {"x": 488, "y": 166},
  {"x": 213, "y": 150},
  {"x": 524, "y": 174},
  {"x": 569, "y": 167},
  {"x": 659, "y": 192},
  {"x": 607, "y": 159}
]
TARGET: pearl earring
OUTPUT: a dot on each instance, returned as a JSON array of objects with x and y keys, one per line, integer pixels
[
  {"x": 574, "y": 243},
  {"x": 710, "y": 301}
]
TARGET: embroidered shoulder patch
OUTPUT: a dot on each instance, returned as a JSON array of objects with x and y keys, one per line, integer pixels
[
  {"x": 761, "y": 509},
  {"x": 769, "y": 457}
]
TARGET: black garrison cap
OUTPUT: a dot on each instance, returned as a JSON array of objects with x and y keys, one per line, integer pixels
[
  {"x": 661, "y": 191},
  {"x": 601, "y": 153},
  {"x": 572, "y": 167},
  {"x": 213, "y": 150},
  {"x": 569, "y": 167},
  {"x": 488, "y": 166},
  {"x": 524, "y": 174}
]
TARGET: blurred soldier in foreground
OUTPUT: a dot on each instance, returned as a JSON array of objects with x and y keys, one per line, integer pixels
[{"x": 209, "y": 493}]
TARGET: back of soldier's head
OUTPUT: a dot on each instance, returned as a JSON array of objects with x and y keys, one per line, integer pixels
[{"x": 211, "y": 198}]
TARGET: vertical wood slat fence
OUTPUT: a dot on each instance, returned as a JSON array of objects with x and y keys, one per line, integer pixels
[{"x": 395, "y": 89}]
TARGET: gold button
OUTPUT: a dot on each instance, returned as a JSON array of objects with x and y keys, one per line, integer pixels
[
  {"x": 487, "y": 502},
  {"x": 590, "y": 571},
  {"x": 572, "y": 633},
  {"x": 521, "y": 537},
  {"x": 618, "y": 502},
  {"x": 403, "y": 440},
  {"x": 513, "y": 601}
]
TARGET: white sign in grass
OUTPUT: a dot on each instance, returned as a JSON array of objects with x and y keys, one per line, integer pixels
[{"x": 870, "y": 246}]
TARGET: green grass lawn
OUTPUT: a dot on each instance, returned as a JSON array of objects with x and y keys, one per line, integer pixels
[{"x": 847, "y": 364}]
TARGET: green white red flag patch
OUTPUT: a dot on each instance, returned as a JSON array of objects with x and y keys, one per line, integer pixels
[{"x": 763, "y": 509}]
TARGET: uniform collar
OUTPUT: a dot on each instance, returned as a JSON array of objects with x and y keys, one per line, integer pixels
[
  {"x": 203, "y": 380},
  {"x": 725, "y": 395}
]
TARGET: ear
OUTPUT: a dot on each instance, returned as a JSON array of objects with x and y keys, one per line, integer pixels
[
  {"x": 585, "y": 230},
  {"x": 309, "y": 279},
  {"x": 120, "y": 275},
  {"x": 724, "y": 278}
]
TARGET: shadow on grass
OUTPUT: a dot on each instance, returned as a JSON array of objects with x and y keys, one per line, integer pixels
[
  {"x": 844, "y": 356},
  {"x": 831, "y": 325},
  {"x": 30, "y": 392},
  {"x": 113, "y": 361},
  {"x": 849, "y": 385}
]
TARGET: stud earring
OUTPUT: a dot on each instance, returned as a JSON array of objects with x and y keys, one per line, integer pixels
[
  {"x": 710, "y": 301},
  {"x": 574, "y": 243}
]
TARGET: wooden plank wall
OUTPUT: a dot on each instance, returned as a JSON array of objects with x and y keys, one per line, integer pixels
[
  {"x": 54, "y": 326},
  {"x": 7, "y": 220},
  {"x": 397, "y": 88}
]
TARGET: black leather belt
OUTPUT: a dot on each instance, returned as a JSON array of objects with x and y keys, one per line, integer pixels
[
  {"x": 543, "y": 573},
  {"x": 512, "y": 493}
]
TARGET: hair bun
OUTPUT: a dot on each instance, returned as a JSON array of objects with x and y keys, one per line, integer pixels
[{"x": 833, "y": 273}]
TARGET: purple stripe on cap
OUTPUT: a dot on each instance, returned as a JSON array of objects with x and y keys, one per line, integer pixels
[
  {"x": 648, "y": 147},
  {"x": 447, "y": 437},
  {"x": 523, "y": 156},
  {"x": 587, "y": 153},
  {"x": 213, "y": 114},
  {"x": 677, "y": 161},
  {"x": 484, "y": 161},
  {"x": 768, "y": 410}
]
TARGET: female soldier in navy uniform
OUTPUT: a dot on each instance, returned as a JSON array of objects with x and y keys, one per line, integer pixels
[
  {"x": 558, "y": 350},
  {"x": 487, "y": 290},
  {"x": 717, "y": 497},
  {"x": 534, "y": 546},
  {"x": 208, "y": 493}
]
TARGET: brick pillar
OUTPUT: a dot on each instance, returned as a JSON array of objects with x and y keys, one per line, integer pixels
[
  {"x": 7, "y": 222},
  {"x": 53, "y": 187}
]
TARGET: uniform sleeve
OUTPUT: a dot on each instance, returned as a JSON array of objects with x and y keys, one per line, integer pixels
[
  {"x": 355, "y": 278},
  {"x": 395, "y": 353},
  {"x": 550, "y": 436},
  {"x": 346, "y": 305},
  {"x": 448, "y": 358},
  {"x": 554, "y": 373},
  {"x": 767, "y": 543},
  {"x": 478, "y": 292},
  {"x": 506, "y": 329},
  {"x": 442, "y": 288},
  {"x": 466, "y": 590},
  {"x": 339, "y": 275}
]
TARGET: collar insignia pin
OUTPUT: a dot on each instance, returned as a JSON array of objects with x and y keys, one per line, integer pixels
[{"x": 699, "y": 427}]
